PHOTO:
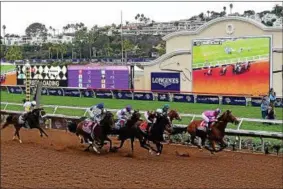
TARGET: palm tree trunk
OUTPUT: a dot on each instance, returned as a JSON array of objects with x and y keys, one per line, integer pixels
[{"x": 57, "y": 54}]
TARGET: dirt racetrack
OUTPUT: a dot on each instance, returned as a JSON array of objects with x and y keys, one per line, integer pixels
[{"x": 60, "y": 162}]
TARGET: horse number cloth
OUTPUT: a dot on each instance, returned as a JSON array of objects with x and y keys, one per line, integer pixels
[{"x": 88, "y": 126}]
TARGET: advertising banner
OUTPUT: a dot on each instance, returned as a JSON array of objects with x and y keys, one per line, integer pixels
[
  {"x": 55, "y": 91},
  {"x": 87, "y": 93},
  {"x": 123, "y": 95},
  {"x": 72, "y": 92},
  {"x": 183, "y": 98},
  {"x": 143, "y": 96},
  {"x": 15, "y": 90},
  {"x": 163, "y": 97},
  {"x": 103, "y": 94},
  {"x": 165, "y": 81},
  {"x": 207, "y": 99},
  {"x": 256, "y": 101},
  {"x": 232, "y": 100}
]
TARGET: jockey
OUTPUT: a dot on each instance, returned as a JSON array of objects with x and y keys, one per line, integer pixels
[
  {"x": 28, "y": 107},
  {"x": 165, "y": 109},
  {"x": 150, "y": 120},
  {"x": 210, "y": 116},
  {"x": 123, "y": 115},
  {"x": 95, "y": 112}
]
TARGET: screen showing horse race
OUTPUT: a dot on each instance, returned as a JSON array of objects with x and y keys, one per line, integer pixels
[{"x": 238, "y": 66}]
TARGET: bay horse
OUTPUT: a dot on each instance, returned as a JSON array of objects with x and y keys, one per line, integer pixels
[
  {"x": 173, "y": 115},
  {"x": 156, "y": 132},
  {"x": 217, "y": 133},
  {"x": 33, "y": 118},
  {"x": 130, "y": 131},
  {"x": 94, "y": 135}
]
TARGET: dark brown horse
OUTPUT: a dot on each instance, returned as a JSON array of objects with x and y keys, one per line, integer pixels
[
  {"x": 94, "y": 135},
  {"x": 33, "y": 118},
  {"x": 216, "y": 135},
  {"x": 131, "y": 131},
  {"x": 173, "y": 115},
  {"x": 156, "y": 132}
]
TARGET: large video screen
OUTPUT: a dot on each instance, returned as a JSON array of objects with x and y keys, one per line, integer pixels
[{"x": 239, "y": 66}]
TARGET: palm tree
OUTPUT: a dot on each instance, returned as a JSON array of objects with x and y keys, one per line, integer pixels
[
  {"x": 4, "y": 28},
  {"x": 208, "y": 12},
  {"x": 231, "y": 7},
  {"x": 224, "y": 8}
]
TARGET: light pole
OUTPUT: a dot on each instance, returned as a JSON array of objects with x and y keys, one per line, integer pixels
[{"x": 81, "y": 48}]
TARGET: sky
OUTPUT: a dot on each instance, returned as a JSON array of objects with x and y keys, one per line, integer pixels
[{"x": 18, "y": 15}]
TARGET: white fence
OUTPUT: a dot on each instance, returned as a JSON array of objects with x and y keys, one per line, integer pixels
[
  {"x": 237, "y": 132},
  {"x": 232, "y": 61}
]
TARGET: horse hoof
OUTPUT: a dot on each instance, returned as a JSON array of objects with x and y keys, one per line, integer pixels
[
  {"x": 158, "y": 154},
  {"x": 13, "y": 138},
  {"x": 20, "y": 141}
]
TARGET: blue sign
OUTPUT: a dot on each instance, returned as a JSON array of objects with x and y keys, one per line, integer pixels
[
  {"x": 55, "y": 92},
  {"x": 165, "y": 81},
  {"x": 256, "y": 101},
  {"x": 207, "y": 99},
  {"x": 143, "y": 96},
  {"x": 44, "y": 91},
  {"x": 24, "y": 90},
  {"x": 278, "y": 102},
  {"x": 123, "y": 95},
  {"x": 72, "y": 92},
  {"x": 183, "y": 98},
  {"x": 231, "y": 100},
  {"x": 15, "y": 90},
  {"x": 103, "y": 94},
  {"x": 163, "y": 97},
  {"x": 87, "y": 93}
]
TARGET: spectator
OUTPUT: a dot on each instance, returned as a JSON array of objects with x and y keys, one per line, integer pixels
[
  {"x": 272, "y": 97},
  {"x": 270, "y": 113},
  {"x": 264, "y": 107}
]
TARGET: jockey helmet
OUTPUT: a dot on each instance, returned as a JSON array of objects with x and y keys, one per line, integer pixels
[
  {"x": 100, "y": 106},
  {"x": 217, "y": 111},
  {"x": 128, "y": 108},
  {"x": 166, "y": 106},
  {"x": 33, "y": 103},
  {"x": 159, "y": 111}
]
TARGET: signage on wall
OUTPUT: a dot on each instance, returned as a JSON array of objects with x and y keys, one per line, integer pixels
[{"x": 165, "y": 81}]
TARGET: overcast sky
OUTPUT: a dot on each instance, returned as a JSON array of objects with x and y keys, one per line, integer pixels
[{"x": 18, "y": 15}]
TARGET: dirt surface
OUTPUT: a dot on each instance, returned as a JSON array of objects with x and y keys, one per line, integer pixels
[{"x": 60, "y": 162}]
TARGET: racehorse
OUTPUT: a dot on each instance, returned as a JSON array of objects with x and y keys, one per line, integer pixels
[
  {"x": 173, "y": 115},
  {"x": 130, "y": 131},
  {"x": 94, "y": 135},
  {"x": 33, "y": 118},
  {"x": 156, "y": 132},
  {"x": 216, "y": 135}
]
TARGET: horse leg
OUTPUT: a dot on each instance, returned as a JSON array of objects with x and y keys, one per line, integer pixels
[
  {"x": 132, "y": 144},
  {"x": 42, "y": 131},
  {"x": 110, "y": 143},
  {"x": 158, "y": 147},
  {"x": 121, "y": 144},
  {"x": 87, "y": 149},
  {"x": 17, "y": 132}
]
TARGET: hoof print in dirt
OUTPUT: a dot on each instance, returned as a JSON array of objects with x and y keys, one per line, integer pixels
[{"x": 182, "y": 154}]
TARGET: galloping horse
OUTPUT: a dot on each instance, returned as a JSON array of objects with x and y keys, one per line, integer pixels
[
  {"x": 173, "y": 115},
  {"x": 94, "y": 135},
  {"x": 156, "y": 132},
  {"x": 130, "y": 131},
  {"x": 216, "y": 135},
  {"x": 33, "y": 119}
]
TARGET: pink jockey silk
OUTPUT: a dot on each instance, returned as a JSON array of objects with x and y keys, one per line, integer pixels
[
  {"x": 210, "y": 114},
  {"x": 88, "y": 126}
]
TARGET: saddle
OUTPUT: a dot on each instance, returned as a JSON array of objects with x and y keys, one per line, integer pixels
[
  {"x": 202, "y": 126},
  {"x": 88, "y": 126}
]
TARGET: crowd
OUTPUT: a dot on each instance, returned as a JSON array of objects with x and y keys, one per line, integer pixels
[
  {"x": 267, "y": 105},
  {"x": 2, "y": 78}
]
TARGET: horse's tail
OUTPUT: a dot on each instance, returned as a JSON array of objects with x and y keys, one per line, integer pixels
[
  {"x": 72, "y": 127},
  {"x": 9, "y": 120}
]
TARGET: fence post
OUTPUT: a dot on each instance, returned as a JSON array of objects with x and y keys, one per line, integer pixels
[
  {"x": 6, "y": 106},
  {"x": 240, "y": 142},
  {"x": 262, "y": 144},
  {"x": 193, "y": 118},
  {"x": 239, "y": 125},
  {"x": 55, "y": 109}
]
